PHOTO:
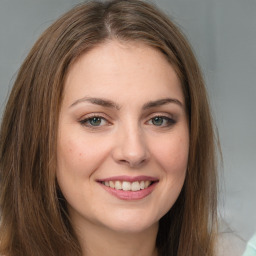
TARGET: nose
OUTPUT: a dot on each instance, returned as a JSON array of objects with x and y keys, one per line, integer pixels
[{"x": 131, "y": 148}]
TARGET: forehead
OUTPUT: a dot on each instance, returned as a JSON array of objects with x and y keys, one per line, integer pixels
[{"x": 116, "y": 67}]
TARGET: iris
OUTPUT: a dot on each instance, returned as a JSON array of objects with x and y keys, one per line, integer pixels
[{"x": 158, "y": 121}]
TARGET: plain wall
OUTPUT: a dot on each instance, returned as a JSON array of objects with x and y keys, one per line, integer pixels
[{"x": 223, "y": 35}]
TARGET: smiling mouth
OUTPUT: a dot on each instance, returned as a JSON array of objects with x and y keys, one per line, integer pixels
[{"x": 128, "y": 186}]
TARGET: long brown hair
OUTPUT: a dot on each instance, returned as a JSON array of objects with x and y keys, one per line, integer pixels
[{"x": 34, "y": 219}]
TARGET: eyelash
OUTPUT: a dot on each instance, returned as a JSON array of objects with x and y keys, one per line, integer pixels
[
  {"x": 168, "y": 121},
  {"x": 86, "y": 121}
]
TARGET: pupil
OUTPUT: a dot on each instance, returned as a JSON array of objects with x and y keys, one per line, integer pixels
[
  {"x": 157, "y": 121},
  {"x": 95, "y": 121}
]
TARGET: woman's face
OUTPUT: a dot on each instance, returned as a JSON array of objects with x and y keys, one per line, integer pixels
[{"x": 123, "y": 138}]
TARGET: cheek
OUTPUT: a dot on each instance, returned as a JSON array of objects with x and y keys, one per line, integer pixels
[
  {"x": 76, "y": 162},
  {"x": 79, "y": 155},
  {"x": 172, "y": 154},
  {"x": 73, "y": 150},
  {"x": 70, "y": 154}
]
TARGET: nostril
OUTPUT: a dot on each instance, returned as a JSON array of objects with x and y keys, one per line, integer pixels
[
  {"x": 130, "y": 150},
  {"x": 133, "y": 162}
]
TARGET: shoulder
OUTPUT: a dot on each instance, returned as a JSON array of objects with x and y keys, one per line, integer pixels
[
  {"x": 251, "y": 247},
  {"x": 230, "y": 244}
]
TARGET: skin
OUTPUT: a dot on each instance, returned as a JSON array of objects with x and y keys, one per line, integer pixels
[{"x": 127, "y": 140}]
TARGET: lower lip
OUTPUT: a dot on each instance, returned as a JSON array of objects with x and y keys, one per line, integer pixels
[{"x": 130, "y": 195}]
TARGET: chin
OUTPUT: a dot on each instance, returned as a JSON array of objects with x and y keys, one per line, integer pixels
[{"x": 131, "y": 223}]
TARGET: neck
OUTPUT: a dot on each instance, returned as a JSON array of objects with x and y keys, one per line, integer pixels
[{"x": 98, "y": 241}]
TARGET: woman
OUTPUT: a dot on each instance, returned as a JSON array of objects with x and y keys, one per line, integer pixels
[{"x": 107, "y": 145}]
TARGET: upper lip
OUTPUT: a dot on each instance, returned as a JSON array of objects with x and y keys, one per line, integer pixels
[{"x": 129, "y": 178}]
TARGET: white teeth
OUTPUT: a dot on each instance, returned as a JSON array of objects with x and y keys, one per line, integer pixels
[
  {"x": 112, "y": 184},
  {"x": 118, "y": 185},
  {"x": 127, "y": 186},
  {"x": 135, "y": 186}
]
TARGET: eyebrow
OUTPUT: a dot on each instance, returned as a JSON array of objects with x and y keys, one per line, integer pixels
[
  {"x": 161, "y": 102},
  {"x": 97, "y": 101},
  {"x": 111, "y": 104}
]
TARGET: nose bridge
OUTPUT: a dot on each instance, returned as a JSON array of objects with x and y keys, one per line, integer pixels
[{"x": 131, "y": 147}]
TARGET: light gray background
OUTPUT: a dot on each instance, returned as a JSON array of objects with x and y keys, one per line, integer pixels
[{"x": 223, "y": 35}]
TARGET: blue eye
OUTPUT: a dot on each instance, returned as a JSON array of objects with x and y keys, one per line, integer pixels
[
  {"x": 158, "y": 121},
  {"x": 94, "y": 121},
  {"x": 161, "y": 121}
]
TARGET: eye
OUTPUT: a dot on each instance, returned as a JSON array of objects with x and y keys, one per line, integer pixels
[
  {"x": 162, "y": 121},
  {"x": 94, "y": 121}
]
